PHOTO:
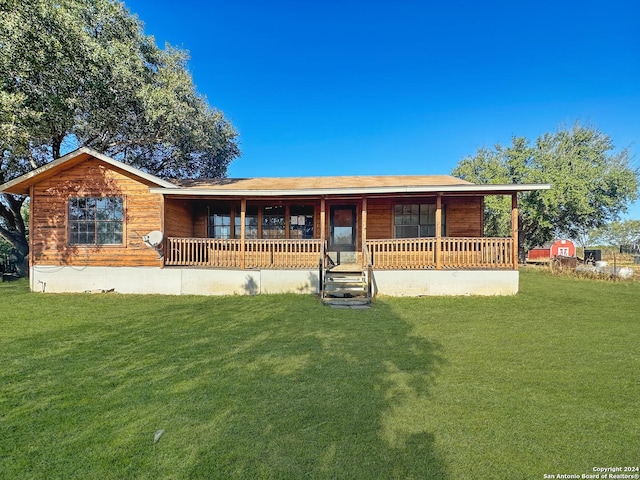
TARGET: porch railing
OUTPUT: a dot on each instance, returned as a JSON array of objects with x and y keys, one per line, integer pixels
[
  {"x": 414, "y": 253},
  {"x": 229, "y": 253},
  {"x": 477, "y": 252},
  {"x": 454, "y": 253},
  {"x": 410, "y": 253}
]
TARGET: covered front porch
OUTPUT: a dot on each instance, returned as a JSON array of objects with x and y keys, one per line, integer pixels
[
  {"x": 426, "y": 232},
  {"x": 365, "y": 235}
]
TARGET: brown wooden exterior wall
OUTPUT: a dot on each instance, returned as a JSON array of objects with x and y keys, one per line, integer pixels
[
  {"x": 379, "y": 219},
  {"x": 93, "y": 178},
  {"x": 463, "y": 215},
  {"x": 187, "y": 217},
  {"x": 179, "y": 219}
]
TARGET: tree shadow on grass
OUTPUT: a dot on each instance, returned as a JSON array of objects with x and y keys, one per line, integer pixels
[
  {"x": 253, "y": 387},
  {"x": 323, "y": 393}
]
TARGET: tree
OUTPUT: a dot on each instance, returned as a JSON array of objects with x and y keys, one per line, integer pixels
[
  {"x": 622, "y": 233},
  {"x": 82, "y": 73},
  {"x": 7, "y": 251},
  {"x": 591, "y": 184}
]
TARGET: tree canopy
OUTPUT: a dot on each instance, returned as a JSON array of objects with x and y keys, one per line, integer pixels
[
  {"x": 620, "y": 233},
  {"x": 82, "y": 73},
  {"x": 591, "y": 183}
]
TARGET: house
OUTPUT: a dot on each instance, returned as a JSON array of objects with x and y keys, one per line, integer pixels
[
  {"x": 558, "y": 248},
  {"x": 98, "y": 224}
]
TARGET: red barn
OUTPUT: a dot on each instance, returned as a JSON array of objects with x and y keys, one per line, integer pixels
[
  {"x": 563, "y": 248},
  {"x": 559, "y": 248}
]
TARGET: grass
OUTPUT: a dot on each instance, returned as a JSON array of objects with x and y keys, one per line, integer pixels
[{"x": 545, "y": 382}]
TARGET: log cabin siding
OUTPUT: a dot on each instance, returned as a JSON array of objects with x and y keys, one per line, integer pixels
[
  {"x": 463, "y": 216},
  {"x": 93, "y": 178},
  {"x": 379, "y": 219},
  {"x": 200, "y": 220},
  {"x": 179, "y": 218}
]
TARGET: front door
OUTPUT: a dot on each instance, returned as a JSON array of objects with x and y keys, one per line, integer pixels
[{"x": 343, "y": 228}]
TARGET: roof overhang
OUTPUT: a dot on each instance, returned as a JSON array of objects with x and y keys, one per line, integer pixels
[
  {"x": 21, "y": 185},
  {"x": 271, "y": 188},
  {"x": 355, "y": 191}
]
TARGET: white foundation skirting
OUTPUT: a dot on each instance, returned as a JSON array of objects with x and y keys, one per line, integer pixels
[{"x": 193, "y": 281}]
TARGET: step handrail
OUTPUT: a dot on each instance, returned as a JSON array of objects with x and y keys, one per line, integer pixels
[
  {"x": 368, "y": 260},
  {"x": 322, "y": 267}
]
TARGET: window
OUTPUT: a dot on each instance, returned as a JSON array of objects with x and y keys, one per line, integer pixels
[
  {"x": 273, "y": 222},
  {"x": 413, "y": 221},
  {"x": 250, "y": 222},
  {"x": 264, "y": 221},
  {"x": 95, "y": 220},
  {"x": 220, "y": 222},
  {"x": 301, "y": 221}
]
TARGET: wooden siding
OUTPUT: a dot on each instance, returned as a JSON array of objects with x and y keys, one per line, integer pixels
[
  {"x": 179, "y": 219},
  {"x": 379, "y": 219},
  {"x": 50, "y": 241},
  {"x": 463, "y": 216}
]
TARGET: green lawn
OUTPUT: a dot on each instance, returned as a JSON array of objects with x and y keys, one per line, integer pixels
[{"x": 546, "y": 382}]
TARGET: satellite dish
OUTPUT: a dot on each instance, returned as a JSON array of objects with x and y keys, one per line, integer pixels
[{"x": 153, "y": 239}]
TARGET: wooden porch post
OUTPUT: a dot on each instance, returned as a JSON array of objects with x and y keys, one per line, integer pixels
[
  {"x": 514, "y": 229},
  {"x": 243, "y": 212},
  {"x": 287, "y": 221},
  {"x": 323, "y": 228},
  {"x": 364, "y": 229},
  {"x": 165, "y": 244},
  {"x": 438, "y": 231}
]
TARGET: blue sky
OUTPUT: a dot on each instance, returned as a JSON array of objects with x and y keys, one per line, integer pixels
[{"x": 402, "y": 86}]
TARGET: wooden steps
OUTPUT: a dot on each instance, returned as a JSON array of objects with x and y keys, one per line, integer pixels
[{"x": 345, "y": 285}]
